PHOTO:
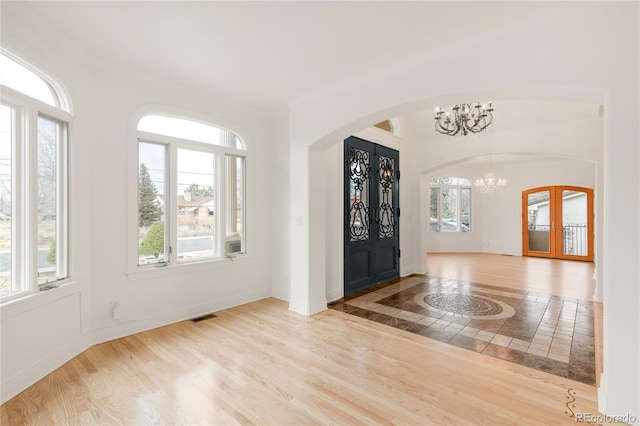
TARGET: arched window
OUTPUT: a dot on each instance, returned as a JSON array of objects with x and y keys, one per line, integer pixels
[
  {"x": 33, "y": 180},
  {"x": 450, "y": 205},
  {"x": 191, "y": 191}
]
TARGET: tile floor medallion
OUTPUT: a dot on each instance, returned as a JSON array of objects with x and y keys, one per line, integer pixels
[{"x": 548, "y": 333}]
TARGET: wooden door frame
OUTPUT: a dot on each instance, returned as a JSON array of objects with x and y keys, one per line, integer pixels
[{"x": 555, "y": 216}]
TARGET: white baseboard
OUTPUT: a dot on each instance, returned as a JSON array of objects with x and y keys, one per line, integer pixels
[
  {"x": 21, "y": 380},
  {"x": 304, "y": 308},
  {"x": 127, "y": 328}
]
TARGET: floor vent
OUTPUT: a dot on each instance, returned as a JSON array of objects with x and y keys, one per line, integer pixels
[{"x": 204, "y": 317}]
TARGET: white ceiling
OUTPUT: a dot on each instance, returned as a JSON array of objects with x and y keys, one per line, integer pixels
[{"x": 266, "y": 53}]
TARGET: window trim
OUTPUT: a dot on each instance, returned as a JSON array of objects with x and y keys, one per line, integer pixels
[
  {"x": 136, "y": 271},
  {"x": 59, "y": 91},
  {"x": 24, "y": 179}
]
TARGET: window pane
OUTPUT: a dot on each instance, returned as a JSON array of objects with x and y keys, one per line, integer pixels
[
  {"x": 196, "y": 183},
  {"x": 458, "y": 181},
  {"x": 465, "y": 209},
  {"x": 6, "y": 200},
  {"x": 151, "y": 203},
  {"x": 449, "y": 210},
  {"x": 433, "y": 209},
  {"x": 25, "y": 81},
  {"x": 234, "y": 242},
  {"x": 49, "y": 140},
  {"x": 187, "y": 129}
]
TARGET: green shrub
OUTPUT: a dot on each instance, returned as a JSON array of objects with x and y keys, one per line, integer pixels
[
  {"x": 51, "y": 256},
  {"x": 153, "y": 242}
]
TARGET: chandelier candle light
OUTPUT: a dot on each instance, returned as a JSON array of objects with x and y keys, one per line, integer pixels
[
  {"x": 490, "y": 183},
  {"x": 467, "y": 118}
]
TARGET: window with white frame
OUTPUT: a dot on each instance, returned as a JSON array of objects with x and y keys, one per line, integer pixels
[
  {"x": 450, "y": 205},
  {"x": 191, "y": 191},
  {"x": 34, "y": 126}
]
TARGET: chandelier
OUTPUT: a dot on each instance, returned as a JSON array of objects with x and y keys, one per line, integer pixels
[
  {"x": 467, "y": 118},
  {"x": 490, "y": 183}
]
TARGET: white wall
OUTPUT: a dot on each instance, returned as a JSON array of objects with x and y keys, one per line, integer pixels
[
  {"x": 43, "y": 331},
  {"x": 564, "y": 56},
  {"x": 281, "y": 218}
]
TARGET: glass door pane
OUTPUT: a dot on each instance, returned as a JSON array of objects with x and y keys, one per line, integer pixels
[
  {"x": 538, "y": 213},
  {"x": 574, "y": 223}
]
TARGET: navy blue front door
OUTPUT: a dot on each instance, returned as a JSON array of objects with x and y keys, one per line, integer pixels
[{"x": 371, "y": 243}]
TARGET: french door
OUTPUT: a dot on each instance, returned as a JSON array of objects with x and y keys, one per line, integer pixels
[
  {"x": 557, "y": 222},
  {"x": 371, "y": 212}
]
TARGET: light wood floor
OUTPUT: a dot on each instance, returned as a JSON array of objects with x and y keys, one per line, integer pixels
[
  {"x": 565, "y": 278},
  {"x": 262, "y": 364}
]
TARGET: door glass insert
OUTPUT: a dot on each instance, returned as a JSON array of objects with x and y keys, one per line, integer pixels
[
  {"x": 386, "y": 217},
  {"x": 538, "y": 221},
  {"x": 359, "y": 195},
  {"x": 574, "y": 223}
]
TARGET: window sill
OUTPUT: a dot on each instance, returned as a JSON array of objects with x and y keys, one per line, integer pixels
[
  {"x": 147, "y": 272},
  {"x": 35, "y": 300}
]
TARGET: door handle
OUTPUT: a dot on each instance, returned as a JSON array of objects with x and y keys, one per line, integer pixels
[{"x": 553, "y": 225}]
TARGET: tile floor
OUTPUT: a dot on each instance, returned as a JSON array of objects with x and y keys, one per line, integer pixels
[{"x": 548, "y": 333}]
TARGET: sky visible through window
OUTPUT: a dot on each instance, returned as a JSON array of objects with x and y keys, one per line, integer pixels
[{"x": 25, "y": 81}]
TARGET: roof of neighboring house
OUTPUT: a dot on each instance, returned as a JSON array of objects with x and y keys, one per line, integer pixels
[{"x": 196, "y": 201}]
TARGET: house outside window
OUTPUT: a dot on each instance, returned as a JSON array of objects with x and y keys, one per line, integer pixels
[
  {"x": 450, "y": 205},
  {"x": 34, "y": 133},
  {"x": 191, "y": 203}
]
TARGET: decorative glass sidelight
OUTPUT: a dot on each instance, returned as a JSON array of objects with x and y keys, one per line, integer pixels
[
  {"x": 359, "y": 195},
  {"x": 386, "y": 218}
]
